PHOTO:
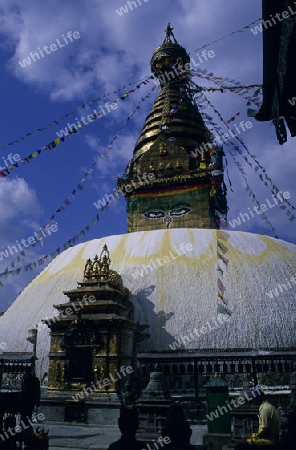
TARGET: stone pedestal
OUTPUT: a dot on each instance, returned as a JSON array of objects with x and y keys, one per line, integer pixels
[
  {"x": 215, "y": 441},
  {"x": 97, "y": 411}
]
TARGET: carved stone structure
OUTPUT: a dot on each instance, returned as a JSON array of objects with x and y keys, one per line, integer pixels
[
  {"x": 153, "y": 406},
  {"x": 93, "y": 339}
]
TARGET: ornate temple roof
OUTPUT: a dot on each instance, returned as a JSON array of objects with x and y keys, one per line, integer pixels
[
  {"x": 175, "y": 290},
  {"x": 97, "y": 274}
]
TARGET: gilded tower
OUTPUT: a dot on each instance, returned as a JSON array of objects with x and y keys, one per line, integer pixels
[
  {"x": 174, "y": 154},
  {"x": 95, "y": 334}
]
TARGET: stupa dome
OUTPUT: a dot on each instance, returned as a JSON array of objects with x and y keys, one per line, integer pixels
[{"x": 174, "y": 290}]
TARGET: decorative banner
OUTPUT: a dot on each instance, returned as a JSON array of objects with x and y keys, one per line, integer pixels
[
  {"x": 58, "y": 141},
  {"x": 58, "y": 121},
  {"x": 225, "y": 260},
  {"x": 264, "y": 178},
  {"x": 241, "y": 30},
  {"x": 249, "y": 189},
  {"x": 238, "y": 88},
  {"x": 221, "y": 308},
  {"x": 221, "y": 89},
  {"x": 251, "y": 193},
  {"x": 221, "y": 287},
  {"x": 52, "y": 255},
  {"x": 79, "y": 186},
  {"x": 222, "y": 247},
  {"x": 69, "y": 200},
  {"x": 227, "y": 172}
]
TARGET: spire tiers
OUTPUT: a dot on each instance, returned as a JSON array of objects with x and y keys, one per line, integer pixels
[
  {"x": 174, "y": 112},
  {"x": 176, "y": 147}
]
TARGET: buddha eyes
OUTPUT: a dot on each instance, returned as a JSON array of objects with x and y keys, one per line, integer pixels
[
  {"x": 154, "y": 214},
  {"x": 157, "y": 214},
  {"x": 180, "y": 211}
]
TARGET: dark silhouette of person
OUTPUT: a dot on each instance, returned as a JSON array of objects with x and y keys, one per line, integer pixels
[
  {"x": 177, "y": 428},
  {"x": 128, "y": 425},
  {"x": 30, "y": 396}
]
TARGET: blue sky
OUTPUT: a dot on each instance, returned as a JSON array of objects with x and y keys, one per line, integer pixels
[{"x": 112, "y": 53}]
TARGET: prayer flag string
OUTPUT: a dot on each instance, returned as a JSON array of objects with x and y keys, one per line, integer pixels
[
  {"x": 241, "y": 30},
  {"x": 51, "y": 255},
  {"x": 60, "y": 119},
  {"x": 263, "y": 177},
  {"x": 51, "y": 145},
  {"x": 248, "y": 188},
  {"x": 221, "y": 252},
  {"x": 70, "y": 199},
  {"x": 238, "y": 88}
]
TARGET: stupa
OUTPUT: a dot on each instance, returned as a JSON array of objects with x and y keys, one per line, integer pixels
[
  {"x": 186, "y": 191},
  {"x": 203, "y": 292}
]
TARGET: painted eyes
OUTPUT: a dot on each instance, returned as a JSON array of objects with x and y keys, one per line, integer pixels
[
  {"x": 180, "y": 211},
  {"x": 157, "y": 214},
  {"x": 154, "y": 214}
]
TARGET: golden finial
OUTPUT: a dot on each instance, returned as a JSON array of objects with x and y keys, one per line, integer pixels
[
  {"x": 96, "y": 267},
  {"x": 169, "y": 33},
  {"x": 104, "y": 262},
  {"x": 88, "y": 269}
]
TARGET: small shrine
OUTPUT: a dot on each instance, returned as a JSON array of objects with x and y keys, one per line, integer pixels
[
  {"x": 93, "y": 343},
  {"x": 153, "y": 406}
]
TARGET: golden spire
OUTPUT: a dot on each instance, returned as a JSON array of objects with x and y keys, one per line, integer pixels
[
  {"x": 170, "y": 146},
  {"x": 96, "y": 267},
  {"x": 98, "y": 272},
  {"x": 88, "y": 269},
  {"x": 104, "y": 262},
  {"x": 174, "y": 112}
]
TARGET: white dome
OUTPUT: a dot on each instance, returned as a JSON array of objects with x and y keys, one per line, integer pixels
[{"x": 176, "y": 294}]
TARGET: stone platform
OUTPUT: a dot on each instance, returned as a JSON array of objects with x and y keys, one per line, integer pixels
[{"x": 70, "y": 436}]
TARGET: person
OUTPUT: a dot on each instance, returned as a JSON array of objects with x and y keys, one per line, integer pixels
[
  {"x": 128, "y": 425},
  {"x": 176, "y": 429},
  {"x": 30, "y": 396},
  {"x": 269, "y": 424}
]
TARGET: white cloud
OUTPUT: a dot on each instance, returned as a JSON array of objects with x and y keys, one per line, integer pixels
[
  {"x": 17, "y": 199},
  {"x": 111, "y": 47}
]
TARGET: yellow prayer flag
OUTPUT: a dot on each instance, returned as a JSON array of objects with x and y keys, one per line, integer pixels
[{"x": 212, "y": 191}]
